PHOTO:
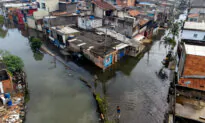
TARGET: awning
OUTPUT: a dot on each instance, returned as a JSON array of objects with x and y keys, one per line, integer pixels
[{"x": 120, "y": 46}]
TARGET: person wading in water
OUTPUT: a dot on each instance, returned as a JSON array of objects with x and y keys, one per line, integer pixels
[{"x": 118, "y": 112}]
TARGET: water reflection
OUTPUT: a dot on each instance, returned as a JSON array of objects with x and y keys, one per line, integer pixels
[{"x": 38, "y": 56}]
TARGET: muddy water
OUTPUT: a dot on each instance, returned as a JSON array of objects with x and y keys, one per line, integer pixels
[
  {"x": 140, "y": 91},
  {"x": 56, "y": 94}
]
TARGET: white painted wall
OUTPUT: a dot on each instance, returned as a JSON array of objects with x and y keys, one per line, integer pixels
[
  {"x": 189, "y": 34},
  {"x": 40, "y": 14},
  {"x": 51, "y": 5},
  {"x": 85, "y": 23},
  {"x": 1, "y": 88},
  {"x": 31, "y": 23},
  {"x": 98, "y": 12}
]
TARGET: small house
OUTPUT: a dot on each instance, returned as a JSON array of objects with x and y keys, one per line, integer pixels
[
  {"x": 89, "y": 22},
  {"x": 194, "y": 32},
  {"x": 60, "y": 34}
]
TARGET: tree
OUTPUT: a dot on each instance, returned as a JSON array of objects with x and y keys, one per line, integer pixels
[
  {"x": 35, "y": 44},
  {"x": 12, "y": 62}
]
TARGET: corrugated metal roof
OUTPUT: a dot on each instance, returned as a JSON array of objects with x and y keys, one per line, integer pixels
[{"x": 194, "y": 26}]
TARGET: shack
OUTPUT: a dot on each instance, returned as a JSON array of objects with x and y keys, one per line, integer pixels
[{"x": 60, "y": 34}]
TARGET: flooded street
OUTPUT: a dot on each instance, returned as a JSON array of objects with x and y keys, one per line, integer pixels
[
  {"x": 56, "y": 94},
  {"x": 141, "y": 93}
]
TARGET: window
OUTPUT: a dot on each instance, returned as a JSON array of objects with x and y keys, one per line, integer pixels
[
  {"x": 195, "y": 35},
  {"x": 43, "y": 5},
  {"x": 204, "y": 38}
]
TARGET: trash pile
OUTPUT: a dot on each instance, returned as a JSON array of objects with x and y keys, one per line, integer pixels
[{"x": 13, "y": 109}]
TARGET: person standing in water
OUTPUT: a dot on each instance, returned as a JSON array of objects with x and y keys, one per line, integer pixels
[{"x": 118, "y": 111}]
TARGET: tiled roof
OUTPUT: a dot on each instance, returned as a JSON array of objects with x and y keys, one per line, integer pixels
[
  {"x": 121, "y": 2},
  {"x": 143, "y": 22},
  {"x": 198, "y": 84},
  {"x": 103, "y": 5},
  {"x": 134, "y": 13},
  {"x": 194, "y": 65},
  {"x": 193, "y": 15}
]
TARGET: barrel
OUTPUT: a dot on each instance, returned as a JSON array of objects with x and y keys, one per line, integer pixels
[
  {"x": 7, "y": 95},
  {"x": 9, "y": 103}
]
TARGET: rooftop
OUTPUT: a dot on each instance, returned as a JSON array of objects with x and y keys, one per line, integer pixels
[
  {"x": 194, "y": 65},
  {"x": 65, "y": 30},
  {"x": 198, "y": 84},
  {"x": 197, "y": 10},
  {"x": 143, "y": 22},
  {"x": 190, "y": 108},
  {"x": 194, "y": 26},
  {"x": 134, "y": 13},
  {"x": 193, "y": 15},
  {"x": 195, "y": 50},
  {"x": 95, "y": 43},
  {"x": 103, "y": 5}
]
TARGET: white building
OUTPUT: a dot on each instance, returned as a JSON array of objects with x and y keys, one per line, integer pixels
[
  {"x": 89, "y": 22},
  {"x": 193, "y": 32},
  {"x": 44, "y": 7}
]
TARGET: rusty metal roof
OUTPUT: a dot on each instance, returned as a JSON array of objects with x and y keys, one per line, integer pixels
[
  {"x": 194, "y": 65},
  {"x": 198, "y": 84},
  {"x": 134, "y": 13},
  {"x": 103, "y": 5}
]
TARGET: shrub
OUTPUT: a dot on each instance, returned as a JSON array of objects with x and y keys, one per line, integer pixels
[
  {"x": 35, "y": 43},
  {"x": 13, "y": 63}
]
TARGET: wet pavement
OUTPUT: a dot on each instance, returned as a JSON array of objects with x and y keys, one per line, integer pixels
[{"x": 56, "y": 94}]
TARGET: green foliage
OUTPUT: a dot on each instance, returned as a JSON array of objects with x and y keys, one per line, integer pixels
[
  {"x": 3, "y": 33},
  {"x": 1, "y": 19},
  {"x": 169, "y": 41},
  {"x": 101, "y": 103},
  {"x": 174, "y": 29},
  {"x": 13, "y": 63},
  {"x": 38, "y": 56},
  {"x": 35, "y": 44}
]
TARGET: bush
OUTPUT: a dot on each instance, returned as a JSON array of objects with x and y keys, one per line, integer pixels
[
  {"x": 35, "y": 43},
  {"x": 101, "y": 103},
  {"x": 13, "y": 63}
]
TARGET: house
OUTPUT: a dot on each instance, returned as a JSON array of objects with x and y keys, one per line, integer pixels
[
  {"x": 102, "y": 51},
  {"x": 89, "y": 22},
  {"x": 190, "y": 88},
  {"x": 68, "y": 6},
  {"x": 196, "y": 15},
  {"x": 194, "y": 32},
  {"x": 60, "y": 34},
  {"x": 44, "y": 8},
  {"x": 6, "y": 85},
  {"x": 50, "y": 21},
  {"x": 102, "y": 9}
]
